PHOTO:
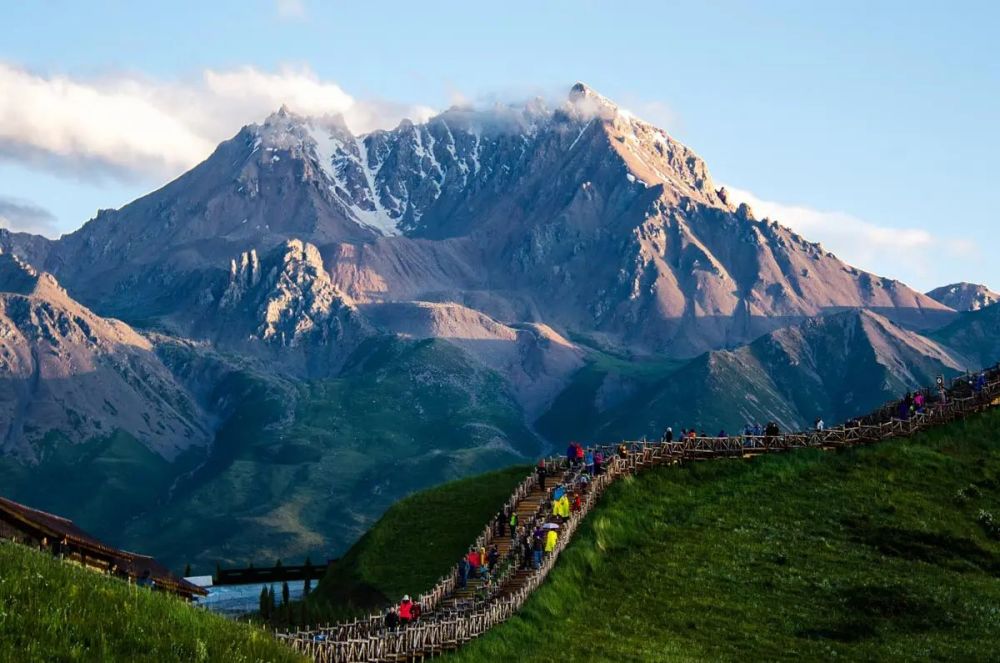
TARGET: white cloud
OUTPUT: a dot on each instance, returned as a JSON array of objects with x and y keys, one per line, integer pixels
[
  {"x": 291, "y": 9},
  {"x": 912, "y": 254},
  {"x": 135, "y": 127}
]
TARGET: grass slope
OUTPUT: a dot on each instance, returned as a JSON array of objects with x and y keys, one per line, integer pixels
[
  {"x": 876, "y": 553},
  {"x": 413, "y": 544},
  {"x": 54, "y": 611}
]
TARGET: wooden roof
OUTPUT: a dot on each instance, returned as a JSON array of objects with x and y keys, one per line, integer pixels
[{"x": 57, "y": 528}]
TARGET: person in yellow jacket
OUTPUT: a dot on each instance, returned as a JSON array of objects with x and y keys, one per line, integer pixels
[
  {"x": 550, "y": 540},
  {"x": 564, "y": 506}
]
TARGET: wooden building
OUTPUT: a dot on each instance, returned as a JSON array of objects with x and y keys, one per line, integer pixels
[{"x": 59, "y": 536}]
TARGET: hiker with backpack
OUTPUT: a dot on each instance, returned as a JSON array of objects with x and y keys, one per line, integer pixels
[{"x": 513, "y": 525}]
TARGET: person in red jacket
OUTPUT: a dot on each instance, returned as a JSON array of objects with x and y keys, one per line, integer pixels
[
  {"x": 405, "y": 610},
  {"x": 474, "y": 562}
]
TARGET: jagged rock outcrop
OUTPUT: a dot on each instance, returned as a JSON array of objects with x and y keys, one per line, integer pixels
[
  {"x": 965, "y": 296},
  {"x": 68, "y": 374},
  {"x": 286, "y": 308}
]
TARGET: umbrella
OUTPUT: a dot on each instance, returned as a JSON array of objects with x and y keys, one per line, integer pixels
[{"x": 550, "y": 526}]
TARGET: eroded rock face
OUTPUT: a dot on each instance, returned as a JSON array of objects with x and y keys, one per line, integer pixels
[{"x": 66, "y": 371}]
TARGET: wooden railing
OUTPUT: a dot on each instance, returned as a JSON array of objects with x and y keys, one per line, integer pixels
[{"x": 442, "y": 630}]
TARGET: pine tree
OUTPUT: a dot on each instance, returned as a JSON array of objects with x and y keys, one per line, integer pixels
[
  {"x": 218, "y": 571},
  {"x": 284, "y": 593},
  {"x": 307, "y": 587},
  {"x": 264, "y": 603},
  {"x": 272, "y": 606},
  {"x": 187, "y": 570}
]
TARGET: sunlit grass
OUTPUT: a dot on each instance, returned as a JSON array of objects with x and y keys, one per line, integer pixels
[{"x": 54, "y": 611}]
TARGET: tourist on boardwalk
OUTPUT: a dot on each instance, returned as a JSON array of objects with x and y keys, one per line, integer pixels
[
  {"x": 493, "y": 557},
  {"x": 391, "y": 620},
  {"x": 415, "y": 611},
  {"x": 571, "y": 453},
  {"x": 577, "y": 503},
  {"x": 584, "y": 482},
  {"x": 819, "y": 425},
  {"x": 500, "y": 523},
  {"x": 580, "y": 456},
  {"x": 588, "y": 461},
  {"x": 668, "y": 436},
  {"x": 563, "y": 507},
  {"x": 919, "y": 402},
  {"x": 598, "y": 462},
  {"x": 405, "y": 610},
  {"x": 980, "y": 382},
  {"x": 483, "y": 562},
  {"x": 622, "y": 450},
  {"x": 538, "y": 547},
  {"x": 474, "y": 561},
  {"x": 527, "y": 550},
  {"x": 513, "y": 525},
  {"x": 550, "y": 541},
  {"x": 541, "y": 474},
  {"x": 463, "y": 572}
]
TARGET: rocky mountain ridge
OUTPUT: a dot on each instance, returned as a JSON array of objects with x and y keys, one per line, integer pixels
[
  {"x": 65, "y": 371},
  {"x": 965, "y": 296}
]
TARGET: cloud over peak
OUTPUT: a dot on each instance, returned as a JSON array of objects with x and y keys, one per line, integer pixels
[{"x": 138, "y": 128}]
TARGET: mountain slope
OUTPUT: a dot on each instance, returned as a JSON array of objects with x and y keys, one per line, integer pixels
[
  {"x": 305, "y": 467},
  {"x": 836, "y": 367},
  {"x": 964, "y": 296},
  {"x": 975, "y": 335},
  {"x": 68, "y": 373}
]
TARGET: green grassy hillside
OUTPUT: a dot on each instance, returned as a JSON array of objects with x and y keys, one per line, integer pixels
[
  {"x": 413, "y": 544},
  {"x": 54, "y": 611},
  {"x": 877, "y": 553}
]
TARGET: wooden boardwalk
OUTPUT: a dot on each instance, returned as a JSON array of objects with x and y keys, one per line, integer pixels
[{"x": 452, "y": 616}]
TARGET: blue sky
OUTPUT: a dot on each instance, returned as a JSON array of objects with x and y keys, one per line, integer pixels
[{"x": 869, "y": 126}]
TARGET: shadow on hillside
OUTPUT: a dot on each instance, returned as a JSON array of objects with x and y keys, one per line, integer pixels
[
  {"x": 867, "y": 607},
  {"x": 954, "y": 553}
]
